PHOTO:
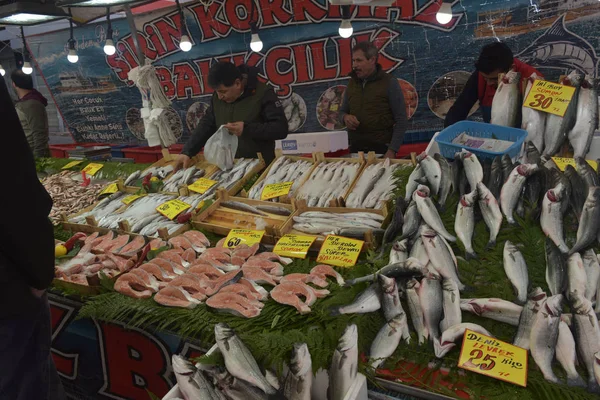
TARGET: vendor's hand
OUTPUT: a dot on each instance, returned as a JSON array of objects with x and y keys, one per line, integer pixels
[
  {"x": 37, "y": 293},
  {"x": 351, "y": 122},
  {"x": 235, "y": 128},
  {"x": 182, "y": 161},
  {"x": 390, "y": 154}
]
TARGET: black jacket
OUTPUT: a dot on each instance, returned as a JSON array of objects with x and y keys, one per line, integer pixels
[
  {"x": 267, "y": 123},
  {"x": 26, "y": 235}
]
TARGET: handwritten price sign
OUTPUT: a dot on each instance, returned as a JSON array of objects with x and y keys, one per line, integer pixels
[
  {"x": 275, "y": 190},
  {"x": 488, "y": 356},
  {"x": 72, "y": 164},
  {"x": 562, "y": 162},
  {"x": 202, "y": 185},
  {"x": 130, "y": 199},
  {"x": 243, "y": 236},
  {"x": 172, "y": 208},
  {"x": 110, "y": 189},
  {"x": 295, "y": 246},
  {"x": 340, "y": 251},
  {"x": 92, "y": 168},
  {"x": 549, "y": 97}
]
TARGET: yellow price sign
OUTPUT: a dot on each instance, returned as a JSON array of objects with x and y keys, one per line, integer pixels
[
  {"x": 110, "y": 189},
  {"x": 172, "y": 208},
  {"x": 243, "y": 236},
  {"x": 549, "y": 97},
  {"x": 489, "y": 356},
  {"x": 130, "y": 199},
  {"x": 202, "y": 185},
  {"x": 72, "y": 164},
  {"x": 275, "y": 190},
  {"x": 92, "y": 168},
  {"x": 340, "y": 251},
  {"x": 295, "y": 246},
  {"x": 562, "y": 162}
]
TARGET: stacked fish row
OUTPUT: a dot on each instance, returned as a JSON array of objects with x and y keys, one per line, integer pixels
[
  {"x": 152, "y": 172},
  {"x": 353, "y": 224},
  {"x": 183, "y": 177},
  {"x": 328, "y": 181},
  {"x": 374, "y": 187},
  {"x": 228, "y": 179},
  {"x": 548, "y": 132},
  {"x": 282, "y": 170}
]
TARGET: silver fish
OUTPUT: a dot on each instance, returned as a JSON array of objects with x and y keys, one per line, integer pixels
[
  {"x": 192, "y": 382},
  {"x": 441, "y": 255},
  {"x": 551, "y": 220},
  {"x": 472, "y": 167},
  {"x": 429, "y": 213},
  {"x": 534, "y": 301},
  {"x": 511, "y": 190},
  {"x": 586, "y": 120},
  {"x": 567, "y": 355},
  {"x": 300, "y": 377},
  {"x": 232, "y": 387},
  {"x": 274, "y": 210},
  {"x": 390, "y": 301},
  {"x": 415, "y": 310},
  {"x": 387, "y": 340},
  {"x": 496, "y": 177},
  {"x": 587, "y": 231},
  {"x": 236, "y": 205},
  {"x": 454, "y": 333},
  {"x": 238, "y": 359},
  {"x": 412, "y": 183},
  {"x": 344, "y": 364},
  {"x": 464, "y": 224},
  {"x": 534, "y": 122},
  {"x": 507, "y": 100},
  {"x": 399, "y": 251},
  {"x": 419, "y": 252},
  {"x": 544, "y": 335},
  {"x": 493, "y": 308},
  {"x": 577, "y": 276},
  {"x": 132, "y": 178},
  {"x": 587, "y": 337},
  {"x": 490, "y": 211},
  {"x": 451, "y": 305},
  {"x": 558, "y": 127},
  {"x": 430, "y": 294},
  {"x": 597, "y": 366},
  {"x": 592, "y": 272},
  {"x": 409, "y": 268},
  {"x": 446, "y": 181},
  {"x": 556, "y": 268},
  {"x": 516, "y": 270},
  {"x": 367, "y": 301},
  {"x": 412, "y": 221},
  {"x": 433, "y": 171}
]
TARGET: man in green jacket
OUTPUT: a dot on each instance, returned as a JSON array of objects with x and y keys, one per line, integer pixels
[
  {"x": 31, "y": 108},
  {"x": 373, "y": 107},
  {"x": 248, "y": 108}
]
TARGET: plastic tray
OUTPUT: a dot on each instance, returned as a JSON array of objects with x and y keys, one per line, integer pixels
[
  {"x": 479, "y": 129},
  {"x": 143, "y": 155}
]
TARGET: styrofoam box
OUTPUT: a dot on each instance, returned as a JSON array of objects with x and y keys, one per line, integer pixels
[{"x": 306, "y": 143}]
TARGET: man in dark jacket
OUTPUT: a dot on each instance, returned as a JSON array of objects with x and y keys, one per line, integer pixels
[
  {"x": 248, "y": 108},
  {"x": 31, "y": 108},
  {"x": 27, "y": 371},
  {"x": 373, "y": 107}
]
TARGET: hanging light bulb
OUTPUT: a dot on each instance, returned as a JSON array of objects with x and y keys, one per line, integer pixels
[
  {"x": 2, "y": 71},
  {"x": 72, "y": 55},
  {"x": 27, "y": 69},
  {"x": 184, "y": 43},
  {"x": 345, "y": 30},
  {"x": 444, "y": 14},
  {"x": 109, "y": 45},
  {"x": 255, "y": 43}
]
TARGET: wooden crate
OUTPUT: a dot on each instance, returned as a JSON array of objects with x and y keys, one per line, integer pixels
[{"x": 221, "y": 220}]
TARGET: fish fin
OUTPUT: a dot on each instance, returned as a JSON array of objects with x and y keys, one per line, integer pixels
[{"x": 471, "y": 256}]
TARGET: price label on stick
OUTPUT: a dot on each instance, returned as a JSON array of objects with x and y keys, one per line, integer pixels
[
  {"x": 243, "y": 236},
  {"x": 488, "y": 356},
  {"x": 275, "y": 190},
  {"x": 72, "y": 164},
  {"x": 110, "y": 189},
  {"x": 202, "y": 185},
  {"x": 130, "y": 199},
  {"x": 92, "y": 168},
  {"x": 295, "y": 246},
  {"x": 340, "y": 251},
  {"x": 562, "y": 162},
  {"x": 549, "y": 97},
  {"x": 172, "y": 208}
]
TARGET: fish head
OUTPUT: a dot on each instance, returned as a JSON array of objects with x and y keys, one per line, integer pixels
[
  {"x": 412, "y": 283},
  {"x": 388, "y": 285},
  {"x": 422, "y": 191},
  {"x": 348, "y": 339},
  {"x": 589, "y": 82},
  {"x": 181, "y": 366},
  {"x": 223, "y": 331},
  {"x": 401, "y": 246},
  {"x": 301, "y": 360},
  {"x": 573, "y": 79},
  {"x": 469, "y": 199},
  {"x": 594, "y": 193},
  {"x": 556, "y": 194},
  {"x": 537, "y": 294},
  {"x": 422, "y": 157},
  {"x": 527, "y": 169},
  {"x": 506, "y": 161},
  {"x": 580, "y": 304},
  {"x": 511, "y": 77},
  {"x": 425, "y": 231},
  {"x": 553, "y": 305},
  {"x": 497, "y": 163},
  {"x": 398, "y": 321}
]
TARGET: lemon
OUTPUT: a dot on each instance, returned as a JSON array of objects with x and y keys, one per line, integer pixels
[
  {"x": 154, "y": 179},
  {"x": 60, "y": 250}
]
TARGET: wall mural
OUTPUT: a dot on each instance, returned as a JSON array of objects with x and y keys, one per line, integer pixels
[{"x": 304, "y": 59}]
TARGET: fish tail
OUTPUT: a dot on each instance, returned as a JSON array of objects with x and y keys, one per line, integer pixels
[
  {"x": 349, "y": 282},
  {"x": 335, "y": 311},
  {"x": 576, "y": 381},
  {"x": 563, "y": 248},
  {"x": 491, "y": 244},
  {"x": 593, "y": 385},
  {"x": 470, "y": 256}
]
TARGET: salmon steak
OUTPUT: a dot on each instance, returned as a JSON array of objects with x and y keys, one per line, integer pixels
[
  {"x": 259, "y": 276},
  {"x": 191, "y": 284},
  {"x": 206, "y": 270},
  {"x": 272, "y": 257},
  {"x": 157, "y": 272},
  {"x": 245, "y": 251},
  {"x": 189, "y": 255},
  {"x": 133, "y": 247},
  {"x": 324, "y": 271},
  {"x": 175, "y": 296},
  {"x": 305, "y": 278},
  {"x": 289, "y": 293},
  {"x": 131, "y": 285},
  {"x": 243, "y": 290},
  {"x": 235, "y": 304},
  {"x": 79, "y": 279},
  {"x": 262, "y": 293},
  {"x": 197, "y": 238},
  {"x": 180, "y": 242},
  {"x": 269, "y": 267},
  {"x": 157, "y": 244},
  {"x": 225, "y": 279},
  {"x": 174, "y": 257},
  {"x": 149, "y": 280},
  {"x": 168, "y": 266},
  {"x": 114, "y": 245}
]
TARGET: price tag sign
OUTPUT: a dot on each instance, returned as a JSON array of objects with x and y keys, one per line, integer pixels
[
  {"x": 275, "y": 190},
  {"x": 549, "y": 97},
  {"x": 130, "y": 199},
  {"x": 110, "y": 189},
  {"x": 172, "y": 208},
  {"x": 72, "y": 164},
  {"x": 92, "y": 168},
  {"x": 340, "y": 251},
  {"x": 202, "y": 185},
  {"x": 562, "y": 162},
  {"x": 489, "y": 356},
  {"x": 295, "y": 246},
  {"x": 243, "y": 236}
]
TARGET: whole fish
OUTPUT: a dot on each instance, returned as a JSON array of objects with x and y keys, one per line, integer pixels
[
  {"x": 464, "y": 224},
  {"x": 390, "y": 301},
  {"x": 192, "y": 382},
  {"x": 506, "y": 105},
  {"x": 451, "y": 305},
  {"x": 556, "y": 268},
  {"x": 274, "y": 210},
  {"x": 358, "y": 233},
  {"x": 551, "y": 219},
  {"x": 399, "y": 251},
  {"x": 387, "y": 340},
  {"x": 405, "y": 269},
  {"x": 445, "y": 182},
  {"x": 412, "y": 183},
  {"x": 454, "y": 333},
  {"x": 473, "y": 168},
  {"x": 496, "y": 177},
  {"x": 555, "y": 177},
  {"x": 511, "y": 190},
  {"x": 238, "y": 359},
  {"x": 567, "y": 356},
  {"x": 433, "y": 171},
  {"x": 300, "y": 377},
  {"x": 430, "y": 295},
  {"x": 587, "y": 337},
  {"x": 492, "y": 308},
  {"x": 132, "y": 178},
  {"x": 558, "y": 127},
  {"x": 232, "y": 387},
  {"x": 507, "y": 167},
  {"x": 587, "y": 231},
  {"x": 457, "y": 172},
  {"x": 534, "y": 122},
  {"x": 586, "y": 119},
  {"x": 367, "y": 301},
  {"x": 429, "y": 213},
  {"x": 344, "y": 364},
  {"x": 236, "y": 205},
  {"x": 419, "y": 252},
  {"x": 532, "y": 196},
  {"x": 544, "y": 335},
  {"x": 516, "y": 270},
  {"x": 490, "y": 211},
  {"x": 592, "y": 273},
  {"x": 415, "y": 310},
  {"x": 532, "y": 154},
  {"x": 578, "y": 190},
  {"x": 577, "y": 276},
  {"x": 395, "y": 226},
  {"x": 586, "y": 171},
  {"x": 441, "y": 255},
  {"x": 534, "y": 301},
  {"x": 412, "y": 221}
]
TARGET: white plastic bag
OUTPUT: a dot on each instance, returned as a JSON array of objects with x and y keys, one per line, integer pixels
[{"x": 220, "y": 149}]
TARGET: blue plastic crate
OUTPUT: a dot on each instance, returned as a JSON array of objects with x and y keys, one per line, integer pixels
[
  {"x": 482, "y": 130},
  {"x": 117, "y": 151},
  {"x": 418, "y": 136}
]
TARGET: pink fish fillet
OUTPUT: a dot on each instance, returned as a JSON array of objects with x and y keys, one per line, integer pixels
[
  {"x": 219, "y": 254},
  {"x": 288, "y": 293},
  {"x": 117, "y": 244},
  {"x": 257, "y": 275},
  {"x": 237, "y": 260},
  {"x": 192, "y": 284},
  {"x": 270, "y": 267},
  {"x": 235, "y": 304},
  {"x": 245, "y": 251},
  {"x": 160, "y": 274},
  {"x": 91, "y": 238},
  {"x": 79, "y": 279},
  {"x": 198, "y": 239},
  {"x": 122, "y": 263},
  {"x": 225, "y": 279},
  {"x": 175, "y": 296},
  {"x": 324, "y": 271},
  {"x": 272, "y": 257},
  {"x": 305, "y": 278},
  {"x": 220, "y": 244},
  {"x": 189, "y": 255},
  {"x": 133, "y": 247},
  {"x": 149, "y": 280},
  {"x": 131, "y": 285},
  {"x": 180, "y": 242},
  {"x": 174, "y": 257},
  {"x": 243, "y": 290},
  {"x": 99, "y": 243},
  {"x": 157, "y": 244},
  {"x": 206, "y": 270},
  {"x": 168, "y": 266}
]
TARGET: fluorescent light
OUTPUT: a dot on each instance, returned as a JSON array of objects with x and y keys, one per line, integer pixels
[
  {"x": 444, "y": 14},
  {"x": 27, "y": 69},
  {"x": 185, "y": 44},
  {"x": 345, "y": 29},
  {"x": 28, "y": 13},
  {"x": 109, "y": 47},
  {"x": 2, "y": 71}
]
